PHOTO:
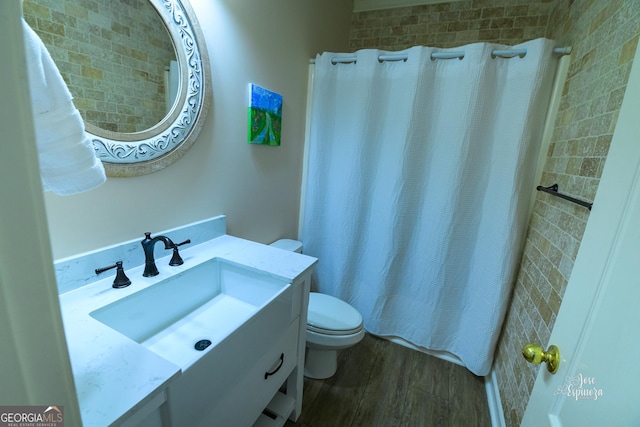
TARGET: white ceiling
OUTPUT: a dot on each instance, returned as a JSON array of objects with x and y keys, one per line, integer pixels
[{"x": 362, "y": 5}]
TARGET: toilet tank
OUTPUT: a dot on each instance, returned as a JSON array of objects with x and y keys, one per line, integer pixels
[{"x": 288, "y": 245}]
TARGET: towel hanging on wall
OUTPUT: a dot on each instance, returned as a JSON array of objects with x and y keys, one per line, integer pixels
[{"x": 68, "y": 163}]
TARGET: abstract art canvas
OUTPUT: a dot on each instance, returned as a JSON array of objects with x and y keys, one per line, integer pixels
[{"x": 265, "y": 116}]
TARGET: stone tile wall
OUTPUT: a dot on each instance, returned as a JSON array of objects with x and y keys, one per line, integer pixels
[
  {"x": 111, "y": 54},
  {"x": 604, "y": 36},
  {"x": 450, "y": 24}
]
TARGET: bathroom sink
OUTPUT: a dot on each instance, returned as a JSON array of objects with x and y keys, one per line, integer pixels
[{"x": 183, "y": 315}]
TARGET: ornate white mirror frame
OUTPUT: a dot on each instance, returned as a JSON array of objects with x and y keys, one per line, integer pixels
[{"x": 141, "y": 153}]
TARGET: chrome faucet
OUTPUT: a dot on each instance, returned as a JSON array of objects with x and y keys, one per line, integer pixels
[{"x": 148, "y": 244}]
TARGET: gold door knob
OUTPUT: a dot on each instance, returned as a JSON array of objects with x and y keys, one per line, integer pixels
[{"x": 535, "y": 354}]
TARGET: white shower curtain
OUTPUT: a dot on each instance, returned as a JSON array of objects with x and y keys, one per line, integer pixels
[{"x": 419, "y": 177}]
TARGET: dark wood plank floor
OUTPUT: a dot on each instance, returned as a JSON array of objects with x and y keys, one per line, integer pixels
[{"x": 380, "y": 383}]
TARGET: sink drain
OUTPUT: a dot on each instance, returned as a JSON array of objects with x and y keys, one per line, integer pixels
[{"x": 202, "y": 344}]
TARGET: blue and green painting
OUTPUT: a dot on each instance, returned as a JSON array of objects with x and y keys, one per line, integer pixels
[{"x": 265, "y": 116}]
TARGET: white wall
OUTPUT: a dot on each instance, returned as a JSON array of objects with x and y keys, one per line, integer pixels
[
  {"x": 34, "y": 364},
  {"x": 258, "y": 187}
]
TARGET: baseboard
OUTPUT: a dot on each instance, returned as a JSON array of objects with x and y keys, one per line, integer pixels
[{"x": 493, "y": 400}]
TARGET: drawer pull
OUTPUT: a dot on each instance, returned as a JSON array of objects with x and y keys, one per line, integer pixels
[{"x": 268, "y": 374}]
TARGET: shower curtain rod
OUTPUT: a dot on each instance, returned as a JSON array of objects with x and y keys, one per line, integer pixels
[{"x": 504, "y": 53}]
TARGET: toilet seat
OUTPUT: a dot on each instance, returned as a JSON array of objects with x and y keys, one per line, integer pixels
[
  {"x": 332, "y": 332},
  {"x": 330, "y": 316}
]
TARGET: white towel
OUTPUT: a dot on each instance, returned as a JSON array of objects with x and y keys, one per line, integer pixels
[{"x": 68, "y": 163}]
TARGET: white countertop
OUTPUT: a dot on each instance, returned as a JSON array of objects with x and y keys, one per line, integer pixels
[{"x": 115, "y": 375}]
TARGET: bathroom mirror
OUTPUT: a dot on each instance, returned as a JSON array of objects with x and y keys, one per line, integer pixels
[{"x": 157, "y": 51}]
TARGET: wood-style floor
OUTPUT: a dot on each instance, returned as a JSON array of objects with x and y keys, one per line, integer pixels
[{"x": 380, "y": 384}]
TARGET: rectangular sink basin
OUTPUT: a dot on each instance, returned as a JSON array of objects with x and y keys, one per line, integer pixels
[{"x": 200, "y": 306}]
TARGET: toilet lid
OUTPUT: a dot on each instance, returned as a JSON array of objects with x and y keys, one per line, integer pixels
[{"x": 332, "y": 316}]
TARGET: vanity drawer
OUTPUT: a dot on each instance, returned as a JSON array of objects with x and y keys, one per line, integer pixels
[
  {"x": 203, "y": 393},
  {"x": 259, "y": 384}
]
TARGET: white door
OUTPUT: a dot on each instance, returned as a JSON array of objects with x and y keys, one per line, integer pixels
[{"x": 598, "y": 326}]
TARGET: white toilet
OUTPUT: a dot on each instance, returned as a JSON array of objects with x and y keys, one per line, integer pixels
[{"x": 332, "y": 324}]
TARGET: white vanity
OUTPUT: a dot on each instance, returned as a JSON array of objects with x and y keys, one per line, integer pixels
[{"x": 218, "y": 340}]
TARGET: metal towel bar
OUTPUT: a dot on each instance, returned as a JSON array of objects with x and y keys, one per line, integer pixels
[{"x": 553, "y": 190}]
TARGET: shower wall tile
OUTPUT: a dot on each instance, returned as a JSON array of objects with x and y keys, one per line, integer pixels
[
  {"x": 604, "y": 36},
  {"x": 450, "y": 24}
]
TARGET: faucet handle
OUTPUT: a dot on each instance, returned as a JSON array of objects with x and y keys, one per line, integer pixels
[
  {"x": 176, "y": 259},
  {"x": 182, "y": 243},
  {"x": 121, "y": 280}
]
